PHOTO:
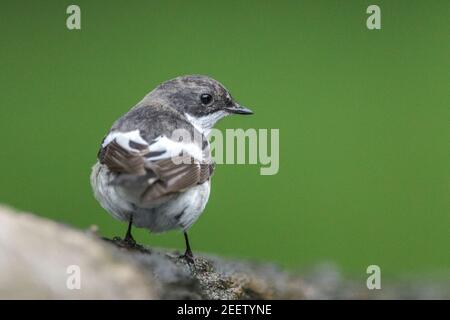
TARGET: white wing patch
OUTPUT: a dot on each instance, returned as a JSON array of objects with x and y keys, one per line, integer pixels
[
  {"x": 161, "y": 147},
  {"x": 124, "y": 139},
  {"x": 164, "y": 148}
]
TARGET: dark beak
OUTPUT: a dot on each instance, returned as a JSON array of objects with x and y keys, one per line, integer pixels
[{"x": 238, "y": 109}]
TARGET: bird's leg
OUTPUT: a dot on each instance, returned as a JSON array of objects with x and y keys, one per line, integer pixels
[
  {"x": 128, "y": 237},
  {"x": 188, "y": 253},
  {"x": 128, "y": 241}
]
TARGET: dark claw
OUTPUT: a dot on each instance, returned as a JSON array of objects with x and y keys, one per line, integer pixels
[
  {"x": 188, "y": 256},
  {"x": 129, "y": 241}
]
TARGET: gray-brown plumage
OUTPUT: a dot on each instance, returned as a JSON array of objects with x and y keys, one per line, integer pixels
[{"x": 147, "y": 172}]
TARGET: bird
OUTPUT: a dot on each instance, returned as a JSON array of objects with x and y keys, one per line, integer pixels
[{"x": 150, "y": 177}]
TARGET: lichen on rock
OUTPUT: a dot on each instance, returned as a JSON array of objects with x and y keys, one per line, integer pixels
[{"x": 36, "y": 253}]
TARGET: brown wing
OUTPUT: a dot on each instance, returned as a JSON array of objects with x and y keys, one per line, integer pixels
[
  {"x": 120, "y": 160},
  {"x": 157, "y": 179},
  {"x": 175, "y": 175}
]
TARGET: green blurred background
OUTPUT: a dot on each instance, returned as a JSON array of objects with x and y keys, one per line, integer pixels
[{"x": 363, "y": 116}]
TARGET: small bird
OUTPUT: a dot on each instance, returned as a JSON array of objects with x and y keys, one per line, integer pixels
[{"x": 149, "y": 177}]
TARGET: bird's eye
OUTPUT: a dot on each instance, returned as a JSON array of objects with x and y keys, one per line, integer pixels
[{"x": 206, "y": 99}]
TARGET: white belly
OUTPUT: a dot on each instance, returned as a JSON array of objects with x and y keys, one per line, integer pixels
[{"x": 180, "y": 212}]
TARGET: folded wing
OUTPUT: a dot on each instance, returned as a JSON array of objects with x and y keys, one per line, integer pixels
[{"x": 157, "y": 169}]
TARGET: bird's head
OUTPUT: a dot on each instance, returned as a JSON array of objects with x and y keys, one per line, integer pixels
[{"x": 203, "y": 100}]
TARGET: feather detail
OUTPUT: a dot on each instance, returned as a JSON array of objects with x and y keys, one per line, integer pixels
[{"x": 160, "y": 169}]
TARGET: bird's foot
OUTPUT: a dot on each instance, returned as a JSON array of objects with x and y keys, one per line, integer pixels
[
  {"x": 189, "y": 257},
  {"x": 128, "y": 243}
]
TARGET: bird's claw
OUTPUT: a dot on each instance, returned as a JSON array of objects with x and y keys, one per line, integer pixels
[{"x": 189, "y": 257}]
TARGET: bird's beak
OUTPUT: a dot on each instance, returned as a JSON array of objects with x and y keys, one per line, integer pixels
[{"x": 238, "y": 109}]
